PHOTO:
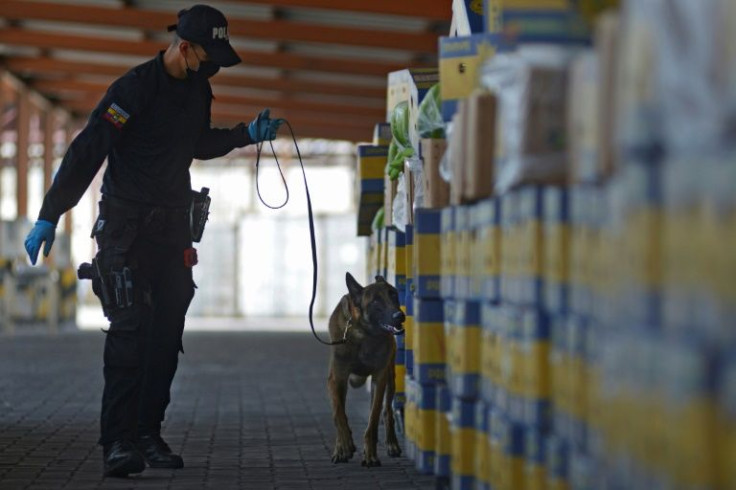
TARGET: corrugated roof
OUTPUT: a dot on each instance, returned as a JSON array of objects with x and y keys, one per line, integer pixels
[{"x": 320, "y": 63}]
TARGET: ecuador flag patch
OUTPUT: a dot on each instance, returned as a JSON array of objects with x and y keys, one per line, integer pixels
[{"x": 116, "y": 115}]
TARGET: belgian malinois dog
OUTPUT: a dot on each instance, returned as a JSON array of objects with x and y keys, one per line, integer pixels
[{"x": 367, "y": 318}]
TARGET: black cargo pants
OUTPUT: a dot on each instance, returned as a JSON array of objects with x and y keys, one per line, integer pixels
[{"x": 147, "y": 319}]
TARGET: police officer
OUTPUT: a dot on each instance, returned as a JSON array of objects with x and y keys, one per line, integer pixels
[{"x": 150, "y": 125}]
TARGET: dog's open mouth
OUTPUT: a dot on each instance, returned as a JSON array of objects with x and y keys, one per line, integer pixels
[{"x": 392, "y": 329}]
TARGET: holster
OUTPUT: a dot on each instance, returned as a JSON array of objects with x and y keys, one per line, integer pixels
[
  {"x": 114, "y": 288},
  {"x": 199, "y": 211},
  {"x": 111, "y": 270}
]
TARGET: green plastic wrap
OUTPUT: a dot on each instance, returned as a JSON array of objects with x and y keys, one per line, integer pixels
[
  {"x": 400, "y": 148},
  {"x": 429, "y": 119},
  {"x": 377, "y": 223},
  {"x": 396, "y": 157},
  {"x": 400, "y": 123}
]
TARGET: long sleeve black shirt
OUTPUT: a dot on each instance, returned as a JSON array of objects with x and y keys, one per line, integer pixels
[{"x": 149, "y": 126}]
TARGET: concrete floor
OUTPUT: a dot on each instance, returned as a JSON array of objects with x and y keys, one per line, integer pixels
[{"x": 249, "y": 410}]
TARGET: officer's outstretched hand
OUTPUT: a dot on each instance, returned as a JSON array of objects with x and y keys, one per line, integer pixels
[
  {"x": 263, "y": 128},
  {"x": 43, "y": 231}
]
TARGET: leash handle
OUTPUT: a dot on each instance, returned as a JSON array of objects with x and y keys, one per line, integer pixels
[
  {"x": 312, "y": 238},
  {"x": 283, "y": 179}
]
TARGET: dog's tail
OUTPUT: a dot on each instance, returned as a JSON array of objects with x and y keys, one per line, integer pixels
[{"x": 357, "y": 381}]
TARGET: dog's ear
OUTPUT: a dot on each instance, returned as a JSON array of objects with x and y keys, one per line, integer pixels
[
  {"x": 380, "y": 279},
  {"x": 354, "y": 288}
]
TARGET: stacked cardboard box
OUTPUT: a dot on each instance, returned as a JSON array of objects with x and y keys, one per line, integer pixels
[
  {"x": 557, "y": 311},
  {"x": 370, "y": 191}
]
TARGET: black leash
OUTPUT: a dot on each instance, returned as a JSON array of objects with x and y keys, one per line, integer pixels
[{"x": 311, "y": 221}]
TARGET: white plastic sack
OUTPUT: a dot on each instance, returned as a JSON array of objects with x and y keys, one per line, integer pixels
[
  {"x": 398, "y": 207},
  {"x": 416, "y": 167}
]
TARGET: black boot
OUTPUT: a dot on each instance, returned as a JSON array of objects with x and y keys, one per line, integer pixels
[
  {"x": 157, "y": 453},
  {"x": 122, "y": 458}
]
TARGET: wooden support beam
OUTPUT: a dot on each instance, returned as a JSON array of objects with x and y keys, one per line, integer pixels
[
  {"x": 297, "y": 119},
  {"x": 70, "y": 129},
  {"x": 311, "y": 130},
  {"x": 438, "y": 10},
  {"x": 374, "y": 87},
  {"x": 21, "y": 155},
  {"x": 305, "y": 126},
  {"x": 286, "y": 61},
  {"x": 227, "y": 115},
  {"x": 91, "y": 92},
  {"x": 50, "y": 125},
  {"x": 278, "y": 30}
]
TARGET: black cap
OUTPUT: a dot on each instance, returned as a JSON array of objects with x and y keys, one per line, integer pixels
[{"x": 206, "y": 26}]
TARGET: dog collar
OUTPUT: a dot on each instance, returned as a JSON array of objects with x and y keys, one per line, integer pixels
[{"x": 345, "y": 334}]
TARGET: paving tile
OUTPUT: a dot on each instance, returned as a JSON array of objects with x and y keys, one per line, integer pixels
[{"x": 249, "y": 410}]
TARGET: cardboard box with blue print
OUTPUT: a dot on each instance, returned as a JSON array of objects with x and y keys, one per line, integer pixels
[
  {"x": 554, "y": 26},
  {"x": 468, "y": 17},
  {"x": 460, "y": 60},
  {"x": 544, "y": 20},
  {"x": 371, "y": 165},
  {"x": 382, "y": 134}
]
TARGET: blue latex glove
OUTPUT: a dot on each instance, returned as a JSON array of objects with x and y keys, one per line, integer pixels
[
  {"x": 263, "y": 128},
  {"x": 43, "y": 231}
]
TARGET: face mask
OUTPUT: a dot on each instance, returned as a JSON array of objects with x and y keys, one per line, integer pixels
[
  {"x": 190, "y": 73},
  {"x": 208, "y": 69}
]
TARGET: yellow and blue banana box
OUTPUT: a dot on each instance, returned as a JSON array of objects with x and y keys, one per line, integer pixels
[
  {"x": 531, "y": 243},
  {"x": 487, "y": 249},
  {"x": 382, "y": 134},
  {"x": 511, "y": 461},
  {"x": 426, "y": 427},
  {"x": 410, "y": 419},
  {"x": 535, "y": 464},
  {"x": 409, "y": 330},
  {"x": 492, "y": 10},
  {"x": 429, "y": 341},
  {"x": 511, "y": 247},
  {"x": 460, "y": 61},
  {"x": 371, "y": 164},
  {"x": 448, "y": 252},
  {"x": 443, "y": 442},
  {"x": 426, "y": 248},
  {"x": 464, "y": 352},
  {"x": 556, "y": 250},
  {"x": 409, "y": 254},
  {"x": 463, "y": 444},
  {"x": 511, "y": 392},
  {"x": 399, "y": 378},
  {"x": 463, "y": 241},
  {"x": 396, "y": 260},
  {"x": 490, "y": 354},
  {"x": 482, "y": 448},
  {"x": 535, "y": 346},
  {"x": 558, "y": 471}
]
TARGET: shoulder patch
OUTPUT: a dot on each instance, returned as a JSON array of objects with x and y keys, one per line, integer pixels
[{"x": 116, "y": 115}]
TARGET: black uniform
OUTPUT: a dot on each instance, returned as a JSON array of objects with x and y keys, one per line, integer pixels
[{"x": 150, "y": 126}]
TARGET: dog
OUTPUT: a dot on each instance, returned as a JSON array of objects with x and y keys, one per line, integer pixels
[{"x": 367, "y": 318}]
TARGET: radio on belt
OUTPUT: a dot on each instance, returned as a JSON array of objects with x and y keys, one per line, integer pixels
[{"x": 199, "y": 212}]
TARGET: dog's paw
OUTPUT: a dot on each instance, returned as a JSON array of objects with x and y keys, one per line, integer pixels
[
  {"x": 342, "y": 454},
  {"x": 370, "y": 460},
  {"x": 338, "y": 458},
  {"x": 393, "y": 449}
]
